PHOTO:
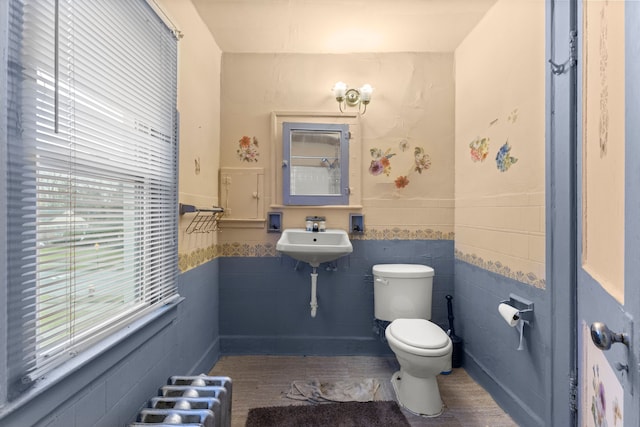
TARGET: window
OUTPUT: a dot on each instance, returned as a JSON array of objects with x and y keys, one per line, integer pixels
[{"x": 91, "y": 176}]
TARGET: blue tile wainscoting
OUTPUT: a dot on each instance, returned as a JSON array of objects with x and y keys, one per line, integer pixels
[
  {"x": 519, "y": 381},
  {"x": 260, "y": 305},
  {"x": 264, "y": 301}
]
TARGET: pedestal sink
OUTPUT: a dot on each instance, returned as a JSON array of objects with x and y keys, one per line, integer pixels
[{"x": 314, "y": 248}]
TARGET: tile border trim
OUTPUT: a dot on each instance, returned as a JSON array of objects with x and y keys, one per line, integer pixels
[
  {"x": 498, "y": 268},
  {"x": 187, "y": 261}
]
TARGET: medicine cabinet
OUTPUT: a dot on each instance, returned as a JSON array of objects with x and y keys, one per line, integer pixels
[
  {"x": 315, "y": 164},
  {"x": 316, "y": 160}
]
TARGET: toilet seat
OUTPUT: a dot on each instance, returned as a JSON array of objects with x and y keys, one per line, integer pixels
[{"x": 419, "y": 337}]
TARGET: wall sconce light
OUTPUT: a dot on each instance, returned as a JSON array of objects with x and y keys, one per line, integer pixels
[{"x": 352, "y": 97}]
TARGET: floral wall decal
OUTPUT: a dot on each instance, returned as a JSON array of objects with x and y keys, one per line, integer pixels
[
  {"x": 598, "y": 399},
  {"x": 599, "y": 407},
  {"x": 401, "y": 181},
  {"x": 603, "y": 124},
  {"x": 248, "y": 149},
  {"x": 479, "y": 149},
  {"x": 504, "y": 160},
  {"x": 422, "y": 160},
  {"x": 380, "y": 163}
]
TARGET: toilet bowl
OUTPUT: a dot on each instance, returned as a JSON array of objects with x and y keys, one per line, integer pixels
[
  {"x": 402, "y": 295},
  {"x": 423, "y": 350}
]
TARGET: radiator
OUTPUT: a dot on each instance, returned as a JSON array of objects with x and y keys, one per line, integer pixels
[{"x": 189, "y": 401}]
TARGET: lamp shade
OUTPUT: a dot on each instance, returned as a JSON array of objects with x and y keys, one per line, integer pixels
[
  {"x": 365, "y": 93},
  {"x": 339, "y": 89}
]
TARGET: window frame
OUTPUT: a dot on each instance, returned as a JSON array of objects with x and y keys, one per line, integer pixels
[{"x": 17, "y": 377}]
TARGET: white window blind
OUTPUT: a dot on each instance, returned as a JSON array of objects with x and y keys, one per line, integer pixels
[{"x": 92, "y": 175}]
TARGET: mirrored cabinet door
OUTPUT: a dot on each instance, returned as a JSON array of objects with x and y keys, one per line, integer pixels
[{"x": 315, "y": 164}]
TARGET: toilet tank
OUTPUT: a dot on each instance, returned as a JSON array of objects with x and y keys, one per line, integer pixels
[{"x": 402, "y": 291}]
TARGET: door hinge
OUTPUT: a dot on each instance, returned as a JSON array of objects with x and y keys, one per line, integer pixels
[
  {"x": 558, "y": 69},
  {"x": 573, "y": 394}
]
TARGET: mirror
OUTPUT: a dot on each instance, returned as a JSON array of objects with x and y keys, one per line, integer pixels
[{"x": 315, "y": 164}]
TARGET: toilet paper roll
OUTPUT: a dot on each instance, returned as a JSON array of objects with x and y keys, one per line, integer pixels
[{"x": 510, "y": 314}]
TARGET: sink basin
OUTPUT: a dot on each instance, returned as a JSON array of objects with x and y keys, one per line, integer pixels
[{"x": 314, "y": 247}]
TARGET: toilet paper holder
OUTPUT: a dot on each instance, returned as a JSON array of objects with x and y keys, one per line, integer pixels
[
  {"x": 524, "y": 306},
  {"x": 523, "y": 316}
]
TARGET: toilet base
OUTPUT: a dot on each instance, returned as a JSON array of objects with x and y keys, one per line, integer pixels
[{"x": 420, "y": 396}]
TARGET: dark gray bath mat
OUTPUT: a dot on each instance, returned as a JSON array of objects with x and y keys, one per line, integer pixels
[{"x": 347, "y": 414}]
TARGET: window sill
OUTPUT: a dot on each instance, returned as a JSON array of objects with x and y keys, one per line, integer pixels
[{"x": 103, "y": 356}]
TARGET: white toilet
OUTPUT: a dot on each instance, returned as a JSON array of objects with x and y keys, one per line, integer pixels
[{"x": 402, "y": 295}]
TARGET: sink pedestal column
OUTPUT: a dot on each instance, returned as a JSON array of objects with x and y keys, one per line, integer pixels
[{"x": 314, "y": 285}]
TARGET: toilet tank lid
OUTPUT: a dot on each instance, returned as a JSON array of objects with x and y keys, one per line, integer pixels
[{"x": 403, "y": 270}]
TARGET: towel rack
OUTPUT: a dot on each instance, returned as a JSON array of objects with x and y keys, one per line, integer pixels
[{"x": 204, "y": 220}]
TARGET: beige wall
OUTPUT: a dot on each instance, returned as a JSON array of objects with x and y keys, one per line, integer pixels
[
  {"x": 493, "y": 87},
  {"x": 412, "y": 101},
  {"x": 500, "y": 88},
  {"x": 199, "y": 59}
]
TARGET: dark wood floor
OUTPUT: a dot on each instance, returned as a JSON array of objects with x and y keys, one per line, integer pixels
[{"x": 260, "y": 381}]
